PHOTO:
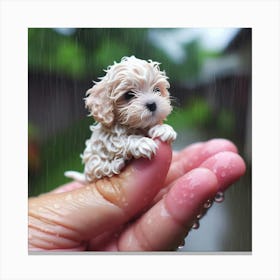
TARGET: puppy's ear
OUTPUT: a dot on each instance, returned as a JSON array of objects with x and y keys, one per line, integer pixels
[{"x": 99, "y": 103}]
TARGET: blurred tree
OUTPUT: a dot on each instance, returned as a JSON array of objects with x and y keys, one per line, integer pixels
[
  {"x": 86, "y": 52},
  {"x": 193, "y": 59},
  {"x": 51, "y": 52}
]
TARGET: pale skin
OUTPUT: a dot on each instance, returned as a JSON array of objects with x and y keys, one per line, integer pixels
[{"x": 150, "y": 206}]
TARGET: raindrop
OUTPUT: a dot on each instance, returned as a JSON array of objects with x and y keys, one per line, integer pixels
[
  {"x": 219, "y": 197},
  {"x": 195, "y": 225},
  {"x": 207, "y": 204}
]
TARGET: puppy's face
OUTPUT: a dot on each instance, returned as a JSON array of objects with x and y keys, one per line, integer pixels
[
  {"x": 138, "y": 93},
  {"x": 141, "y": 97}
]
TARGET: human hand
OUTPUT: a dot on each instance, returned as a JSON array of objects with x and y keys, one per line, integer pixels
[{"x": 150, "y": 206}]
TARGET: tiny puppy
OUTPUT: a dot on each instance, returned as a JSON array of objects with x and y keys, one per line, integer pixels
[{"x": 129, "y": 105}]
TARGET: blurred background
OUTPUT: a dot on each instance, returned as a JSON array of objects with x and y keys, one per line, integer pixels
[{"x": 209, "y": 70}]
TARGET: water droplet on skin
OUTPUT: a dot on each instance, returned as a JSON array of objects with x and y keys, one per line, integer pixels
[
  {"x": 164, "y": 212},
  {"x": 195, "y": 225},
  {"x": 219, "y": 197},
  {"x": 129, "y": 240},
  {"x": 191, "y": 195},
  {"x": 216, "y": 157},
  {"x": 199, "y": 216},
  {"x": 181, "y": 246},
  {"x": 207, "y": 204},
  {"x": 68, "y": 197},
  {"x": 180, "y": 201}
]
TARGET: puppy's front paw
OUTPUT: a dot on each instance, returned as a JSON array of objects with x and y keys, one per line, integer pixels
[
  {"x": 163, "y": 131},
  {"x": 143, "y": 147}
]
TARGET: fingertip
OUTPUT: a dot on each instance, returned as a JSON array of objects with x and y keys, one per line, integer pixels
[
  {"x": 143, "y": 178},
  {"x": 161, "y": 160},
  {"x": 219, "y": 145},
  {"x": 189, "y": 193},
  {"x": 227, "y": 166}
]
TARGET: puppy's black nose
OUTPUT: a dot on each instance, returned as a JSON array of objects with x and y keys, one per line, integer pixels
[{"x": 151, "y": 106}]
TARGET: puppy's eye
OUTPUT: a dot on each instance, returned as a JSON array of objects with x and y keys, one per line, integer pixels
[
  {"x": 157, "y": 90},
  {"x": 128, "y": 95}
]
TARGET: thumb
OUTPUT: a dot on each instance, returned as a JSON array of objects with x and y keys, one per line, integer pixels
[{"x": 66, "y": 220}]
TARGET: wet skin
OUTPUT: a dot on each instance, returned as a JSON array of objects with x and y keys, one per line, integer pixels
[{"x": 150, "y": 206}]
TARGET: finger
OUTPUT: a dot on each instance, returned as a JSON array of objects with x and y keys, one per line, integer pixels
[
  {"x": 68, "y": 218},
  {"x": 177, "y": 155},
  {"x": 192, "y": 156},
  {"x": 102, "y": 242},
  {"x": 227, "y": 166},
  {"x": 68, "y": 187},
  {"x": 204, "y": 149},
  {"x": 164, "y": 226}
]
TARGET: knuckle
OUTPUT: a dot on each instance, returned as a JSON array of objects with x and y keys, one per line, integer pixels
[{"x": 111, "y": 190}]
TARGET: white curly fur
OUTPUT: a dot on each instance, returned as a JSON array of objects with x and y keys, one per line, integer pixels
[{"x": 129, "y": 105}]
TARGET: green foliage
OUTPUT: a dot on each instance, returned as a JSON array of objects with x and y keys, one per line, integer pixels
[
  {"x": 32, "y": 131},
  {"x": 193, "y": 59},
  {"x": 196, "y": 114},
  {"x": 69, "y": 58},
  {"x": 58, "y": 154},
  {"x": 226, "y": 122},
  {"x": 108, "y": 52},
  {"x": 50, "y": 52},
  {"x": 86, "y": 52}
]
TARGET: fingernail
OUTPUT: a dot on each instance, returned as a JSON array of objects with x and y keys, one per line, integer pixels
[{"x": 141, "y": 164}]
